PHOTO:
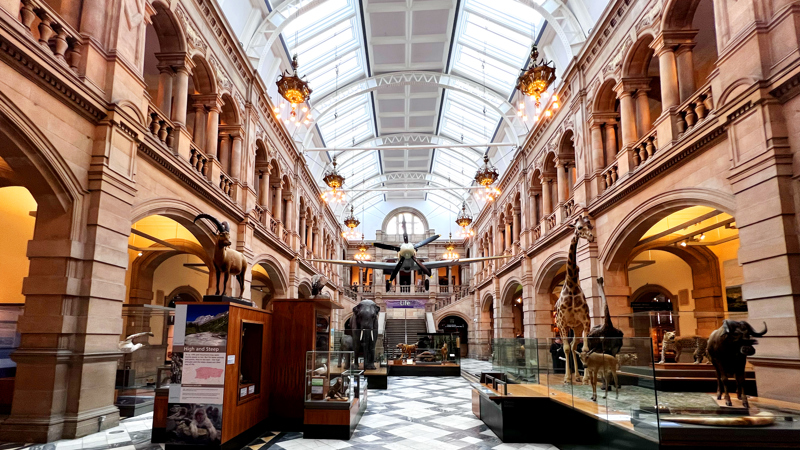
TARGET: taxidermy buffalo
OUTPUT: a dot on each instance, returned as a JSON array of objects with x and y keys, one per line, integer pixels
[
  {"x": 728, "y": 348},
  {"x": 226, "y": 260}
]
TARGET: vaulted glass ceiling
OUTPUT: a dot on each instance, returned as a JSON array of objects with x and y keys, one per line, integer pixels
[{"x": 340, "y": 42}]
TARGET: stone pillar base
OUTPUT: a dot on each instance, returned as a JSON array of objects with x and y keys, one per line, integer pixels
[{"x": 52, "y": 428}]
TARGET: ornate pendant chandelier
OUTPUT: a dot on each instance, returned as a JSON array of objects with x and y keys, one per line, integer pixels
[
  {"x": 362, "y": 254},
  {"x": 535, "y": 80},
  {"x": 450, "y": 254},
  {"x": 296, "y": 91},
  {"x": 486, "y": 176},
  {"x": 464, "y": 220},
  {"x": 351, "y": 222},
  {"x": 334, "y": 181}
]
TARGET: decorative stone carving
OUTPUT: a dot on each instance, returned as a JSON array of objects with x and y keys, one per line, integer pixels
[
  {"x": 240, "y": 102},
  {"x": 192, "y": 36},
  {"x": 223, "y": 80},
  {"x": 615, "y": 63},
  {"x": 651, "y": 18}
]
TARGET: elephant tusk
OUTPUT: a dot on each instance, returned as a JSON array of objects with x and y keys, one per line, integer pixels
[{"x": 361, "y": 336}]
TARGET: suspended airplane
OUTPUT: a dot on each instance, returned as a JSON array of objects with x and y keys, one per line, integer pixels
[{"x": 407, "y": 259}]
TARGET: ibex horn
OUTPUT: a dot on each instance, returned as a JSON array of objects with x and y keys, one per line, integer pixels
[{"x": 212, "y": 219}]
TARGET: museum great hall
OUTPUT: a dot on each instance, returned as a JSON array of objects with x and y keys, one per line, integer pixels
[{"x": 400, "y": 224}]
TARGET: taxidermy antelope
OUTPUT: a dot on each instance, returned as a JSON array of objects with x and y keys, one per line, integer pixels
[{"x": 226, "y": 260}]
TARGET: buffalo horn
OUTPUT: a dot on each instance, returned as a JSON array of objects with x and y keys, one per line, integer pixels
[{"x": 753, "y": 332}]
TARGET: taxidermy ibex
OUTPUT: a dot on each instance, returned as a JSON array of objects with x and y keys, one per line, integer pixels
[{"x": 226, "y": 260}]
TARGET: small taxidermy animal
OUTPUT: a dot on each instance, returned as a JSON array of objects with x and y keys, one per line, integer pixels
[
  {"x": 407, "y": 350},
  {"x": 596, "y": 364},
  {"x": 335, "y": 391},
  {"x": 127, "y": 346},
  {"x": 321, "y": 370},
  {"x": 678, "y": 344}
]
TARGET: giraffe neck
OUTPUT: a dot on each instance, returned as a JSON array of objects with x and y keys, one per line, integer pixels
[{"x": 572, "y": 262}]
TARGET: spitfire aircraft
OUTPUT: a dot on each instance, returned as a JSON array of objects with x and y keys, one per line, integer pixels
[{"x": 407, "y": 259}]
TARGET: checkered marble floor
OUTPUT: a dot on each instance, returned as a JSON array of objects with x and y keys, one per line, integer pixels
[
  {"x": 475, "y": 366},
  {"x": 425, "y": 413}
]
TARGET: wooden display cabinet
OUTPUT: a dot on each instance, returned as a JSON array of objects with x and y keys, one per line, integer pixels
[{"x": 299, "y": 326}]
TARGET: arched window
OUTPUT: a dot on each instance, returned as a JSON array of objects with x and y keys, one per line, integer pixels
[{"x": 413, "y": 224}]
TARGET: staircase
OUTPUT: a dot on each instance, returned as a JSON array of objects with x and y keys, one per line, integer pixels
[{"x": 402, "y": 331}]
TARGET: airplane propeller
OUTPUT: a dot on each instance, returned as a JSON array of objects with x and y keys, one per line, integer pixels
[{"x": 401, "y": 259}]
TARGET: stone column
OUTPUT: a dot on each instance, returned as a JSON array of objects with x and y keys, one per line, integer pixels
[
  {"x": 561, "y": 182},
  {"x": 181, "y": 97},
  {"x": 668, "y": 72},
  {"x": 644, "y": 124},
  {"x": 547, "y": 205},
  {"x": 611, "y": 144},
  {"x": 627, "y": 118},
  {"x": 164, "y": 96},
  {"x": 212, "y": 129},
  {"x": 517, "y": 214},
  {"x": 277, "y": 204},
  {"x": 303, "y": 227},
  {"x": 263, "y": 190},
  {"x": 598, "y": 160},
  {"x": 236, "y": 157},
  {"x": 507, "y": 235},
  {"x": 685, "y": 68},
  {"x": 225, "y": 152},
  {"x": 199, "y": 136}
]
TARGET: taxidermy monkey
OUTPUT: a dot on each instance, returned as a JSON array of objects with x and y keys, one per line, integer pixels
[
  {"x": 201, "y": 420},
  {"x": 127, "y": 346},
  {"x": 227, "y": 261},
  {"x": 335, "y": 391}
]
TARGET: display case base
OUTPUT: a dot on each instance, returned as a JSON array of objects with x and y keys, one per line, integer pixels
[
  {"x": 377, "y": 378},
  {"x": 339, "y": 423},
  {"x": 423, "y": 370},
  {"x": 679, "y": 378},
  {"x": 226, "y": 299}
]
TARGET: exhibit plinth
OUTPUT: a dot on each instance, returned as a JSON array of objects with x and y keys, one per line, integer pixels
[
  {"x": 679, "y": 377},
  {"x": 377, "y": 378},
  {"x": 299, "y": 326},
  {"x": 405, "y": 368},
  {"x": 333, "y": 420},
  {"x": 226, "y": 299}
]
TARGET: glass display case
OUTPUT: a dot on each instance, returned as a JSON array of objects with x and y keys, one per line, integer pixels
[
  {"x": 146, "y": 343},
  {"x": 331, "y": 378},
  {"x": 634, "y": 397},
  {"x": 429, "y": 349}
]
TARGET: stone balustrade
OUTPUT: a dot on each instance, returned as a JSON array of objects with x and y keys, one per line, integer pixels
[
  {"x": 537, "y": 232},
  {"x": 287, "y": 236},
  {"x": 161, "y": 127},
  {"x": 199, "y": 161},
  {"x": 273, "y": 225},
  {"x": 226, "y": 184},
  {"x": 695, "y": 110},
  {"x": 550, "y": 221},
  {"x": 569, "y": 208},
  {"x": 260, "y": 213},
  {"x": 644, "y": 149},
  {"x": 54, "y": 33},
  {"x": 609, "y": 176}
]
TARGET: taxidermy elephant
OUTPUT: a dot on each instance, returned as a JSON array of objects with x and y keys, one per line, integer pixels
[
  {"x": 365, "y": 331},
  {"x": 346, "y": 346}
]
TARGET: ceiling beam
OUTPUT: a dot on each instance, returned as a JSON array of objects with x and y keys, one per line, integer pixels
[{"x": 411, "y": 147}]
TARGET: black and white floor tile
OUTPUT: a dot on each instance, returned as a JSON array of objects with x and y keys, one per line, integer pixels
[
  {"x": 425, "y": 413},
  {"x": 475, "y": 366}
]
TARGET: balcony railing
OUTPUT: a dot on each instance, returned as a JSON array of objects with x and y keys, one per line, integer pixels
[
  {"x": 695, "y": 110},
  {"x": 569, "y": 208},
  {"x": 273, "y": 226},
  {"x": 550, "y": 221},
  {"x": 199, "y": 161},
  {"x": 161, "y": 127},
  {"x": 609, "y": 176},
  {"x": 55, "y": 34},
  {"x": 287, "y": 236},
  {"x": 260, "y": 213},
  {"x": 645, "y": 148},
  {"x": 537, "y": 232},
  {"x": 226, "y": 184}
]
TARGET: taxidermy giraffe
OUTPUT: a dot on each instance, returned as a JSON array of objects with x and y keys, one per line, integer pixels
[{"x": 572, "y": 312}]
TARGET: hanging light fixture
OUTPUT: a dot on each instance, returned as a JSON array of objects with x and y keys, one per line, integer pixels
[
  {"x": 362, "y": 254},
  {"x": 351, "y": 222},
  {"x": 486, "y": 176},
  {"x": 334, "y": 181},
  {"x": 536, "y": 78},
  {"x": 450, "y": 254},
  {"x": 296, "y": 91},
  {"x": 464, "y": 220}
]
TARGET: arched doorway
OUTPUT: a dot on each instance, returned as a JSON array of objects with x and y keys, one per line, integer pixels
[
  {"x": 456, "y": 324},
  {"x": 486, "y": 327}
]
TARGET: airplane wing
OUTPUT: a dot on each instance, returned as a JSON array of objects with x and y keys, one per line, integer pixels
[
  {"x": 368, "y": 264},
  {"x": 460, "y": 262}
]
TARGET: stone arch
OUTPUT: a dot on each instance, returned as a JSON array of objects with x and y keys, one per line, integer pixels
[
  {"x": 509, "y": 289},
  {"x": 275, "y": 272},
  {"x": 171, "y": 37},
  {"x": 605, "y": 100},
  {"x": 458, "y": 314},
  {"x": 184, "y": 291},
  {"x": 487, "y": 301},
  {"x": 623, "y": 239},
  {"x": 181, "y": 212},
  {"x": 203, "y": 76},
  {"x": 229, "y": 114},
  {"x": 144, "y": 267},
  {"x": 405, "y": 209},
  {"x": 678, "y": 14},
  {"x": 638, "y": 58},
  {"x": 304, "y": 289},
  {"x": 654, "y": 288}
]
